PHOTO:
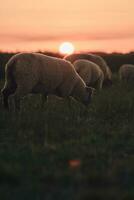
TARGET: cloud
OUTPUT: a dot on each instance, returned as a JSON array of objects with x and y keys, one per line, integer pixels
[{"x": 79, "y": 36}]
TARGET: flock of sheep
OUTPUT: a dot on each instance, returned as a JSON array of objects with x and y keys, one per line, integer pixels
[{"x": 75, "y": 75}]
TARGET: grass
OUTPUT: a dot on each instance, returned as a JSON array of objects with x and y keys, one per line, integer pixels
[{"x": 38, "y": 145}]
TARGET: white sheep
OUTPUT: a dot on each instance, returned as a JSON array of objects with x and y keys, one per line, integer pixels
[
  {"x": 126, "y": 72},
  {"x": 96, "y": 59},
  {"x": 37, "y": 73},
  {"x": 89, "y": 72}
]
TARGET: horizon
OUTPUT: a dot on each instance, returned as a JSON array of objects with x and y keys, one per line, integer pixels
[{"x": 35, "y": 25}]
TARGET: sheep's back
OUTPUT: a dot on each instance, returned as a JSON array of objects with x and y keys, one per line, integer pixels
[
  {"x": 91, "y": 57},
  {"x": 89, "y": 71},
  {"x": 126, "y": 71}
]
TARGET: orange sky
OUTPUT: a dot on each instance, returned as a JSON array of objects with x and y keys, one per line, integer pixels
[{"x": 100, "y": 25}]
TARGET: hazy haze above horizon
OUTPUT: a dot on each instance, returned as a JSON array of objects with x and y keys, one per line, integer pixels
[{"x": 97, "y": 25}]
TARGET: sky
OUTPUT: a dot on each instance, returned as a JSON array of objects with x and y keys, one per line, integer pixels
[{"x": 98, "y": 25}]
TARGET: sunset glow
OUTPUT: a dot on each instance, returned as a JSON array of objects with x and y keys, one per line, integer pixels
[
  {"x": 66, "y": 48},
  {"x": 34, "y": 25}
]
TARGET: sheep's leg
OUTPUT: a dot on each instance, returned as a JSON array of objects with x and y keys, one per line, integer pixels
[
  {"x": 99, "y": 84},
  {"x": 5, "y": 101},
  {"x": 16, "y": 102},
  {"x": 5, "y": 95},
  {"x": 43, "y": 99},
  {"x": 69, "y": 102},
  {"x": 19, "y": 94}
]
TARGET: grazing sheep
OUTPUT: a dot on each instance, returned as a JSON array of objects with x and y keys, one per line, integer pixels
[
  {"x": 96, "y": 59},
  {"x": 89, "y": 72},
  {"x": 126, "y": 72},
  {"x": 37, "y": 73}
]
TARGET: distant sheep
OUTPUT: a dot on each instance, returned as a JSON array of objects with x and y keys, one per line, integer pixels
[
  {"x": 96, "y": 59},
  {"x": 89, "y": 72},
  {"x": 37, "y": 73},
  {"x": 126, "y": 72}
]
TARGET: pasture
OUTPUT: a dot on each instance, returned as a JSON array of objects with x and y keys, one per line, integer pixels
[{"x": 66, "y": 151}]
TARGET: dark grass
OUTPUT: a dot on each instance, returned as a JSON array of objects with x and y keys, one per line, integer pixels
[{"x": 37, "y": 144}]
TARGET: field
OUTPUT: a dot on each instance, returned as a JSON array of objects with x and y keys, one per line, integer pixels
[{"x": 68, "y": 152}]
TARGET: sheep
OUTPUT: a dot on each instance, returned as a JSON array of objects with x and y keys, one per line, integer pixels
[
  {"x": 89, "y": 72},
  {"x": 37, "y": 73},
  {"x": 96, "y": 59},
  {"x": 126, "y": 72}
]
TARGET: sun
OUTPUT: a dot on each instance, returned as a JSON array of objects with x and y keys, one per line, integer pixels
[{"x": 66, "y": 48}]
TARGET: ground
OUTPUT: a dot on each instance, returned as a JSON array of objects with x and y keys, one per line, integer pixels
[{"x": 68, "y": 151}]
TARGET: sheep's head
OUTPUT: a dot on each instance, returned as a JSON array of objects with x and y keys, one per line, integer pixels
[{"x": 88, "y": 96}]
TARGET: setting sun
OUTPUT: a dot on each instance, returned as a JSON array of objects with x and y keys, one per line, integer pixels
[
  {"x": 66, "y": 48},
  {"x": 89, "y": 25}
]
